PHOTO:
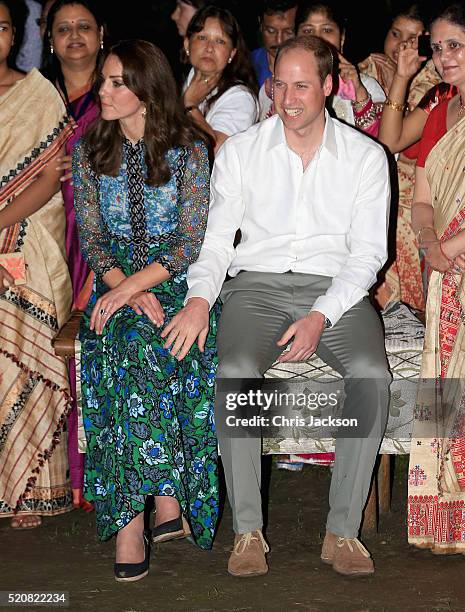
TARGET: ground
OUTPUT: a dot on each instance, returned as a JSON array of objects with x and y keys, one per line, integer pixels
[{"x": 64, "y": 555}]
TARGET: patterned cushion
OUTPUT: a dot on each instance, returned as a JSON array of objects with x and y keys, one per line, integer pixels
[{"x": 404, "y": 344}]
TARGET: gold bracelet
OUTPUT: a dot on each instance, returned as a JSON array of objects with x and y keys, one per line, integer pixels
[{"x": 394, "y": 105}]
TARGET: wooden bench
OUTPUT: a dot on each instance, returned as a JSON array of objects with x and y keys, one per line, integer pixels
[{"x": 404, "y": 342}]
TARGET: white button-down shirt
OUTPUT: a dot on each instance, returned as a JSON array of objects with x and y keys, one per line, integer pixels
[{"x": 330, "y": 219}]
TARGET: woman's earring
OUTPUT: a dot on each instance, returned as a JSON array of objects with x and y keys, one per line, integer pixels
[
  {"x": 101, "y": 44},
  {"x": 229, "y": 60},
  {"x": 52, "y": 51},
  {"x": 144, "y": 112},
  {"x": 187, "y": 52}
]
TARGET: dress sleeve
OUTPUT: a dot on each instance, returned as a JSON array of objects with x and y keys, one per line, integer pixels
[
  {"x": 193, "y": 200},
  {"x": 434, "y": 96},
  {"x": 93, "y": 239},
  {"x": 235, "y": 111}
]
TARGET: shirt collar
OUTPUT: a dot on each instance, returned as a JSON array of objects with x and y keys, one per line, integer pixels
[{"x": 278, "y": 137}]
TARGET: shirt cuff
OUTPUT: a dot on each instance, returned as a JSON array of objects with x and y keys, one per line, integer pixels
[
  {"x": 330, "y": 307},
  {"x": 200, "y": 290}
]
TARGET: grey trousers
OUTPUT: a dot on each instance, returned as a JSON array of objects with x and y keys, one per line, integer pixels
[{"x": 258, "y": 308}]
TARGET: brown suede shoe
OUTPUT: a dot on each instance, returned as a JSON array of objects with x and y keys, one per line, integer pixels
[
  {"x": 248, "y": 556},
  {"x": 328, "y": 548},
  {"x": 351, "y": 558}
]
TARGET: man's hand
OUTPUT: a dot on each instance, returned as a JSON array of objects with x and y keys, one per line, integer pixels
[
  {"x": 306, "y": 333},
  {"x": 190, "y": 324}
]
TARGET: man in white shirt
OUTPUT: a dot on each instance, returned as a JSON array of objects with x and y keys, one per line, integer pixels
[{"x": 310, "y": 196}]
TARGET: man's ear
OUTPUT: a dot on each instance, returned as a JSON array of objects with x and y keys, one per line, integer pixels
[{"x": 328, "y": 85}]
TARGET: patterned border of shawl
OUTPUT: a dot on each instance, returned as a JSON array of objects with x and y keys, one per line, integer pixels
[{"x": 27, "y": 169}]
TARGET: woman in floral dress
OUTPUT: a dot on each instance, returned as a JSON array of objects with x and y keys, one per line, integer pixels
[{"x": 141, "y": 178}]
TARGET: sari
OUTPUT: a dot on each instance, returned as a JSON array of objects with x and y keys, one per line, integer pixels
[
  {"x": 436, "y": 501},
  {"x": 404, "y": 280},
  {"x": 34, "y": 388},
  {"x": 84, "y": 110}
]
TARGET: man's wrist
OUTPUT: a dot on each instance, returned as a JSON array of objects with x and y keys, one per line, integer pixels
[
  {"x": 199, "y": 302},
  {"x": 325, "y": 322}
]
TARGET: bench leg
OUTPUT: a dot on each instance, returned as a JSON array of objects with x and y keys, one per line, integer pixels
[
  {"x": 379, "y": 498},
  {"x": 370, "y": 514},
  {"x": 384, "y": 484}
]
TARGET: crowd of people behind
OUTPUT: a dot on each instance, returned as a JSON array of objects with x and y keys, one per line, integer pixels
[{"x": 110, "y": 170}]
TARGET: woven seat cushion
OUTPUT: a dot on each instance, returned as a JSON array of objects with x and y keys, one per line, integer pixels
[{"x": 404, "y": 345}]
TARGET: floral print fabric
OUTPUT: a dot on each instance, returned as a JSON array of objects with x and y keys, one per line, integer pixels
[{"x": 148, "y": 418}]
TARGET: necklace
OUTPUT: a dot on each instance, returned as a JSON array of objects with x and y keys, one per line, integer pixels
[{"x": 461, "y": 111}]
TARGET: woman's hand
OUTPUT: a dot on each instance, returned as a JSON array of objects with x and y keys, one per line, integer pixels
[
  {"x": 459, "y": 264},
  {"x": 65, "y": 164},
  {"x": 437, "y": 257},
  {"x": 199, "y": 88},
  {"x": 349, "y": 72},
  {"x": 409, "y": 62},
  {"x": 147, "y": 303},
  {"x": 5, "y": 279},
  {"x": 388, "y": 68},
  {"x": 451, "y": 249},
  {"x": 108, "y": 304}
]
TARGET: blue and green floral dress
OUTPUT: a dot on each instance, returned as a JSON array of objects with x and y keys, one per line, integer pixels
[{"x": 148, "y": 418}]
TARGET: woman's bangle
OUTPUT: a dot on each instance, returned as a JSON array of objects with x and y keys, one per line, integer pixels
[
  {"x": 443, "y": 254},
  {"x": 395, "y": 105},
  {"x": 422, "y": 229},
  {"x": 366, "y": 117},
  {"x": 190, "y": 108}
]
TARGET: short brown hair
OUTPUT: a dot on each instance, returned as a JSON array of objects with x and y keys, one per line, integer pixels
[{"x": 313, "y": 44}]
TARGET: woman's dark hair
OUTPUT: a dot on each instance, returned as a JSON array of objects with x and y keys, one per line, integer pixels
[
  {"x": 18, "y": 13},
  {"x": 330, "y": 9},
  {"x": 239, "y": 71},
  {"x": 453, "y": 13},
  {"x": 198, "y": 4},
  {"x": 415, "y": 11},
  {"x": 147, "y": 73},
  {"x": 51, "y": 67}
]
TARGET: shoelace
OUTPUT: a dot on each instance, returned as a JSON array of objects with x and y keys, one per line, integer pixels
[
  {"x": 350, "y": 542},
  {"x": 247, "y": 538}
]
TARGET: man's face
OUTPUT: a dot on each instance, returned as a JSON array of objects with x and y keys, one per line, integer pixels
[
  {"x": 299, "y": 96},
  {"x": 277, "y": 28}
]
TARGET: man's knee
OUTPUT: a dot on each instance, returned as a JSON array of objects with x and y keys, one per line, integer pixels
[
  {"x": 370, "y": 367},
  {"x": 238, "y": 365}
]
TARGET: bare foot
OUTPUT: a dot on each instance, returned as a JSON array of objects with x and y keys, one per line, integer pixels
[{"x": 26, "y": 521}]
